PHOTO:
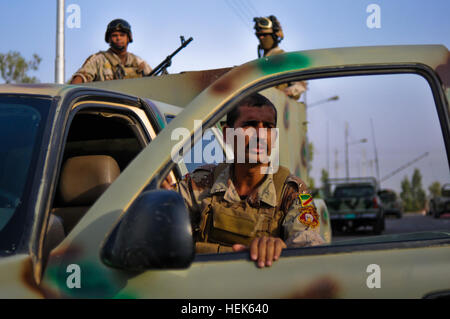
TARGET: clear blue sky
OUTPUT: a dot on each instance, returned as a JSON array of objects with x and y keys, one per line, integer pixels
[
  {"x": 222, "y": 29},
  {"x": 223, "y": 35}
]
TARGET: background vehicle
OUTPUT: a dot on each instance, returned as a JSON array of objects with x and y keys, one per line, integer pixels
[
  {"x": 392, "y": 204},
  {"x": 440, "y": 204},
  {"x": 135, "y": 241},
  {"x": 354, "y": 203}
]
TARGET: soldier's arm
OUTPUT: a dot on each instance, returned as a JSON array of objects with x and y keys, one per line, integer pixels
[
  {"x": 295, "y": 89},
  {"x": 143, "y": 66},
  {"x": 87, "y": 71},
  {"x": 76, "y": 79},
  {"x": 301, "y": 224},
  {"x": 186, "y": 190}
]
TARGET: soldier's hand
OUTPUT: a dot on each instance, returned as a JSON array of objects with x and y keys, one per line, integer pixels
[
  {"x": 264, "y": 250},
  {"x": 76, "y": 80}
]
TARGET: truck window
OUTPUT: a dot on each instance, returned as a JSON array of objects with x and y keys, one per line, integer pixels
[
  {"x": 383, "y": 127},
  {"x": 99, "y": 145},
  {"x": 352, "y": 191}
]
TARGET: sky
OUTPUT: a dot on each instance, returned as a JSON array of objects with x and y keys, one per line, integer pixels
[{"x": 223, "y": 36}]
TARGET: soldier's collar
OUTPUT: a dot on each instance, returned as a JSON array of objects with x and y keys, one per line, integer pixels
[
  {"x": 266, "y": 191},
  {"x": 128, "y": 60},
  {"x": 221, "y": 182}
]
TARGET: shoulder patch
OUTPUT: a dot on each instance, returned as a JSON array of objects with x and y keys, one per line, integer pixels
[
  {"x": 305, "y": 199},
  {"x": 309, "y": 217},
  {"x": 294, "y": 188},
  {"x": 203, "y": 176}
]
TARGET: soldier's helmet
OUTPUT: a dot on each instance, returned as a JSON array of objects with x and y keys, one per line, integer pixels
[
  {"x": 118, "y": 25},
  {"x": 269, "y": 24}
]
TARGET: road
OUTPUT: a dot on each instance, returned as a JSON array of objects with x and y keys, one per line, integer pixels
[{"x": 410, "y": 222}]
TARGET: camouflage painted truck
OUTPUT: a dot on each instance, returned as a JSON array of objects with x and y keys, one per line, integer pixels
[
  {"x": 354, "y": 202},
  {"x": 135, "y": 239}
]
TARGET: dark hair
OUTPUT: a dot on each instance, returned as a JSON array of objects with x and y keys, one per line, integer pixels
[{"x": 254, "y": 100}]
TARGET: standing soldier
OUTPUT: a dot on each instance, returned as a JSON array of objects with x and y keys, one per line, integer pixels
[
  {"x": 269, "y": 33},
  {"x": 116, "y": 63}
]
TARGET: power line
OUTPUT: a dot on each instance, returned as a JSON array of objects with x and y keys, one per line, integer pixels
[
  {"x": 250, "y": 8},
  {"x": 243, "y": 10},
  {"x": 237, "y": 12},
  {"x": 404, "y": 166}
]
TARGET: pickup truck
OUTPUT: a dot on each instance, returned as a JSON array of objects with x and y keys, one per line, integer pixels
[
  {"x": 440, "y": 205},
  {"x": 354, "y": 203},
  {"x": 135, "y": 239},
  {"x": 392, "y": 203}
]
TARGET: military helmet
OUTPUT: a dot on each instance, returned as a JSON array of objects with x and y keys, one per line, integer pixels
[
  {"x": 118, "y": 25},
  {"x": 269, "y": 24}
]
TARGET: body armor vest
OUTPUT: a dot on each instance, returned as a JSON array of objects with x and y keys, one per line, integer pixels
[
  {"x": 119, "y": 70},
  {"x": 227, "y": 223}
]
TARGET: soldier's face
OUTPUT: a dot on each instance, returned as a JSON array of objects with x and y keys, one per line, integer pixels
[
  {"x": 119, "y": 40},
  {"x": 266, "y": 40},
  {"x": 256, "y": 129}
]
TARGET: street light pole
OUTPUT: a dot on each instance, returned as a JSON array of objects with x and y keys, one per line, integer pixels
[
  {"x": 59, "y": 61},
  {"x": 376, "y": 153},
  {"x": 333, "y": 98},
  {"x": 346, "y": 151}
]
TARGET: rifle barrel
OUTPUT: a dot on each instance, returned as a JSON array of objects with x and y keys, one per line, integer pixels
[{"x": 168, "y": 60}]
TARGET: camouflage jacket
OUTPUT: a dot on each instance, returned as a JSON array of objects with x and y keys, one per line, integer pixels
[
  {"x": 106, "y": 65},
  {"x": 295, "y": 89},
  {"x": 299, "y": 224}
]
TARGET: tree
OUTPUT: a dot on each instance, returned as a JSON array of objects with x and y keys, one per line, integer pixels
[
  {"x": 325, "y": 185},
  {"x": 309, "y": 156},
  {"x": 435, "y": 189},
  {"x": 14, "y": 67},
  {"x": 419, "y": 194},
  {"x": 413, "y": 195},
  {"x": 406, "y": 194}
]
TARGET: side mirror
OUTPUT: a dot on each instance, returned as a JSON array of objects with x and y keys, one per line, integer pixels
[{"x": 155, "y": 233}]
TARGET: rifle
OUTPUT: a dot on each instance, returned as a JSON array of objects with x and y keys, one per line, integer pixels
[{"x": 162, "y": 67}]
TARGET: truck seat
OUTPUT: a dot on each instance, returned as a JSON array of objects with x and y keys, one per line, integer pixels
[{"x": 83, "y": 179}]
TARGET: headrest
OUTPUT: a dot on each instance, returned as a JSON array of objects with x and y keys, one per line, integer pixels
[{"x": 84, "y": 178}]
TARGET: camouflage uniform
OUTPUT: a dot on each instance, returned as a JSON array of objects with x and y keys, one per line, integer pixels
[
  {"x": 295, "y": 89},
  {"x": 106, "y": 65},
  {"x": 220, "y": 218}
]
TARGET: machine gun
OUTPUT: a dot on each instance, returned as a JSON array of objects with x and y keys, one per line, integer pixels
[{"x": 162, "y": 67}]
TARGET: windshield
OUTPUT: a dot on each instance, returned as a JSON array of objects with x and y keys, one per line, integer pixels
[
  {"x": 388, "y": 197},
  {"x": 21, "y": 125},
  {"x": 354, "y": 191}
]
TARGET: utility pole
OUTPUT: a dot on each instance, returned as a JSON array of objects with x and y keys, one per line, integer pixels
[
  {"x": 376, "y": 153},
  {"x": 328, "y": 147},
  {"x": 364, "y": 163},
  {"x": 363, "y": 140},
  {"x": 336, "y": 163},
  {"x": 59, "y": 61},
  {"x": 347, "y": 175}
]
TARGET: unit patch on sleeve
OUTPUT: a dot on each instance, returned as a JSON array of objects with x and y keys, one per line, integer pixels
[
  {"x": 305, "y": 199},
  {"x": 309, "y": 217}
]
